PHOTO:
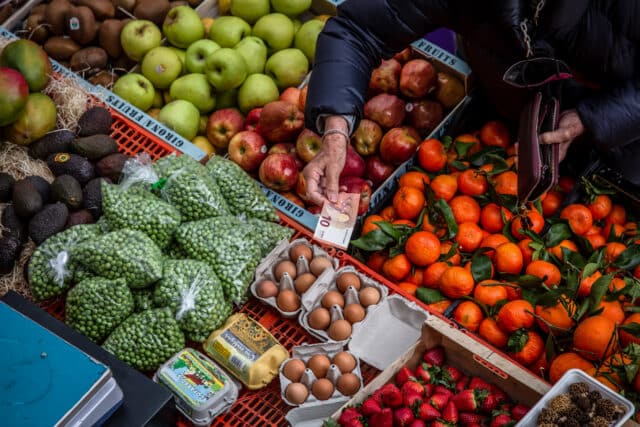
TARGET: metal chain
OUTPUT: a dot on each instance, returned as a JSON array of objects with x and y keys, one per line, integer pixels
[
  {"x": 524, "y": 27},
  {"x": 539, "y": 7}
]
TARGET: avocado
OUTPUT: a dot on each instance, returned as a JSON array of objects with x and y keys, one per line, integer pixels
[
  {"x": 95, "y": 121},
  {"x": 79, "y": 217},
  {"x": 6, "y": 184},
  {"x": 43, "y": 187},
  {"x": 67, "y": 189},
  {"x": 49, "y": 221},
  {"x": 94, "y": 147},
  {"x": 92, "y": 196},
  {"x": 57, "y": 141},
  {"x": 71, "y": 164},
  {"x": 13, "y": 225},
  {"x": 10, "y": 248},
  {"x": 111, "y": 166},
  {"x": 26, "y": 198}
]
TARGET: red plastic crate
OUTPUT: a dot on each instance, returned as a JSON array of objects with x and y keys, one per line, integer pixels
[{"x": 133, "y": 139}]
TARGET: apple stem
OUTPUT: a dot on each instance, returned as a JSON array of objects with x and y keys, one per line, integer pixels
[{"x": 126, "y": 12}]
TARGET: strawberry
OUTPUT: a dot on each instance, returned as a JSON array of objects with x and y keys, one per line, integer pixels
[
  {"x": 469, "y": 400},
  {"x": 450, "y": 413},
  {"x": 412, "y": 387},
  {"x": 478, "y": 383},
  {"x": 383, "y": 418},
  {"x": 377, "y": 395},
  {"x": 403, "y": 417},
  {"x": 411, "y": 400},
  {"x": 403, "y": 375},
  {"x": 391, "y": 396},
  {"x": 439, "y": 423},
  {"x": 469, "y": 418},
  {"x": 504, "y": 407},
  {"x": 423, "y": 373},
  {"x": 454, "y": 373},
  {"x": 462, "y": 384},
  {"x": 501, "y": 420},
  {"x": 354, "y": 422},
  {"x": 347, "y": 415},
  {"x": 439, "y": 401},
  {"x": 490, "y": 403},
  {"x": 500, "y": 395},
  {"x": 440, "y": 389},
  {"x": 427, "y": 412},
  {"x": 519, "y": 411},
  {"x": 370, "y": 407},
  {"x": 428, "y": 389},
  {"x": 435, "y": 356},
  {"x": 418, "y": 423}
]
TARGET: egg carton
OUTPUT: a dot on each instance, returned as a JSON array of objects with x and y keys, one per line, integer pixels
[
  {"x": 313, "y": 299},
  {"x": 264, "y": 271},
  {"x": 305, "y": 352}
]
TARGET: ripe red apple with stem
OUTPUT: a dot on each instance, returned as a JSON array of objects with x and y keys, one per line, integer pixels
[
  {"x": 248, "y": 149},
  {"x": 222, "y": 125}
]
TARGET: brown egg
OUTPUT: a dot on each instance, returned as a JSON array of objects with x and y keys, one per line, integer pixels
[
  {"x": 332, "y": 298},
  {"x": 319, "y": 264},
  {"x": 340, "y": 330},
  {"x": 267, "y": 289},
  {"x": 319, "y": 364},
  {"x": 284, "y": 267},
  {"x": 347, "y": 279},
  {"x": 299, "y": 250},
  {"x": 288, "y": 301},
  {"x": 369, "y": 296},
  {"x": 322, "y": 389},
  {"x": 348, "y": 384},
  {"x": 319, "y": 318},
  {"x": 345, "y": 361},
  {"x": 304, "y": 282},
  {"x": 296, "y": 393},
  {"x": 294, "y": 369},
  {"x": 354, "y": 313}
]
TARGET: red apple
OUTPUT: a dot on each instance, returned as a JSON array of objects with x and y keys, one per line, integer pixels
[
  {"x": 386, "y": 110},
  {"x": 314, "y": 209},
  {"x": 282, "y": 147},
  {"x": 403, "y": 56},
  {"x": 299, "y": 163},
  {"x": 280, "y": 121},
  {"x": 354, "y": 184},
  {"x": 399, "y": 144},
  {"x": 293, "y": 198},
  {"x": 354, "y": 164},
  {"x": 418, "y": 78},
  {"x": 367, "y": 137},
  {"x": 301, "y": 188},
  {"x": 290, "y": 95},
  {"x": 386, "y": 78},
  {"x": 222, "y": 125},
  {"x": 308, "y": 145},
  {"x": 248, "y": 149},
  {"x": 252, "y": 119},
  {"x": 424, "y": 115},
  {"x": 279, "y": 172},
  {"x": 377, "y": 171},
  {"x": 302, "y": 101}
]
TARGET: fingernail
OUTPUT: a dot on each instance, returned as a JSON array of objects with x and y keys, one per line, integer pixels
[{"x": 333, "y": 198}]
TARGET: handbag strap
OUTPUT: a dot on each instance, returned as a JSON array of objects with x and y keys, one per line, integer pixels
[{"x": 525, "y": 27}]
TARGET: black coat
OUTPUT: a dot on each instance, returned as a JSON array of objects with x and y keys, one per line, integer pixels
[{"x": 599, "y": 39}]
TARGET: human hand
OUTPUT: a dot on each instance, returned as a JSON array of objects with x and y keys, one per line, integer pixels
[{"x": 569, "y": 128}]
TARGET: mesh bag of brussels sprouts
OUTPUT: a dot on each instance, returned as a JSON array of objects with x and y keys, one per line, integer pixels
[
  {"x": 193, "y": 292},
  {"x": 53, "y": 265}
]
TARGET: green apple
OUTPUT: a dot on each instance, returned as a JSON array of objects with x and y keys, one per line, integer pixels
[
  {"x": 196, "y": 89},
  {"x": 183, "y": 26},
  {"x": 166, "y": 96},
  {"x": 227, "y": 31},
  {"x": 158, "y": 100},
  {"x": 276, "y": 30},
  {"x": 287, "y": 67},
  {"x": 138, "y": 37},
  {"x": 181, "y": 116},
  {"x": 254, "y": 52},
  {"x": 197, "y": 54},
  {"x": 307, "y": 36},
  {"x": 161, "y": 65},
  {"x": 296, "y": 25},
  {"x": 257, "y": 91},
  {"x": 291, "y": 7},
  {"x": 182, "y": 54},
  {"x": 250, "y": 10},
  {"x": 227, "y": 99},
  {"x": 225, "y": 69},
  {"x": 136, "y": 89}
]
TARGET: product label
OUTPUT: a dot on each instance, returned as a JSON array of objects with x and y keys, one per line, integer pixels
[{"x": 74, "y": 24}]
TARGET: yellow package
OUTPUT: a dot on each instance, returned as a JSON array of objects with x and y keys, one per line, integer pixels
[{"x": 247, "y": 350}]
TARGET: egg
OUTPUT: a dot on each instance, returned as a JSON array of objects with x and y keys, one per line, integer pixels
[
  {"x": 304, "y": 282},
  {"x": 294, "y": 369},
  {"x": 320, "y": 264},
  {"x": 288, "y": 301},
  {"x": 319, "y": 318},
  {"x": 322, "y": 389},
  {"x": 354, "y": 313},
  {"x": 296, "y": 251},
  {"x": 348, "y": 384},
  {"x": 332, "y": 298},
  {"x": 319, "y": 365},
  {"x": 267, "y": 289},
  {"x": 284, "y": 267},
  {"x": 345, "y": 362},
  {"x": 340, "y": 330},
  {"x": 369, "y": 296},
  {"x": 296, "y": 393},
  {"x": 348, "y": 279}
]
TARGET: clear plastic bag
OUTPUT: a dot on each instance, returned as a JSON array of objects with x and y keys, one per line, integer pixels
[{"x": 268, "y": 234}]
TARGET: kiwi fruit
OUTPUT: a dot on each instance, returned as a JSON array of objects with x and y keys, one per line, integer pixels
[
  {"x": 177, "y": 3},
  {"x": 123, "y": 63},
  {"x": 124, "y": 8},
  {"x": 40, "y": 9},
  {"x": 102, "y": 9},
  {"x": 81, "y": 24},
  {"x": 5, "y": 11},
  {"x": 36, "y": 28},
  {"x": 61, "y": 48},
  {"x": 109, "y": 36},
  {"x": 55, "y": 16},
  {"x": 103, "y": 78},
  {"x": 89, "y": 58},
  {"x": 152, "y": 10}
]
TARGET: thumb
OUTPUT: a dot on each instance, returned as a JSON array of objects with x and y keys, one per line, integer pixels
[{"x": 333, "y": 182}]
